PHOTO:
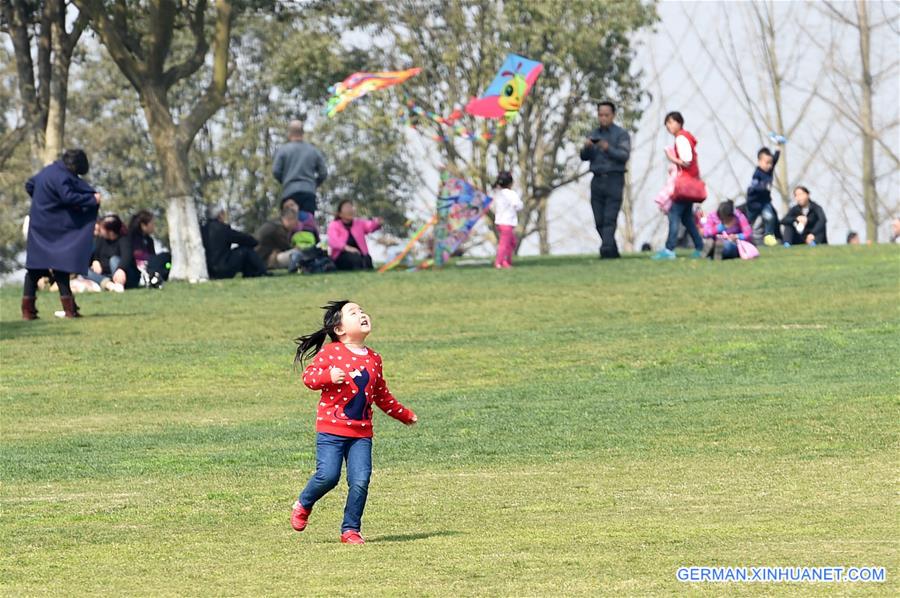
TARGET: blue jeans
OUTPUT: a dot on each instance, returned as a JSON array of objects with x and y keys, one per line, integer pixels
[
  {"x": 755, "y": 210},
  {"x": 682, "y": 212},
  {"x": 729, "y": 250},
  {"x": 331, "y": 451},
  {"x": 114, "y": 262}
]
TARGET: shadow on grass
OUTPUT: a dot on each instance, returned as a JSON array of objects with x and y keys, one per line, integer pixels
[
  {"x": 50, "y": 325},
  {"x": 22, "y": 329},
  {"x": 412, "y": 537}
]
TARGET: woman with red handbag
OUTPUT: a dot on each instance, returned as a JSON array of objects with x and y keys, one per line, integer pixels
[{"x": 689, "y": 188}]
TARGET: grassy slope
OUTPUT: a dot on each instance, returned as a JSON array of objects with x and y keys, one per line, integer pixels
[{"x": 586, "y": 428}]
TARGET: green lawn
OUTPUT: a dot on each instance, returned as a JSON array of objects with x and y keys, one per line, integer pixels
[{"x": 585, "y": 428}]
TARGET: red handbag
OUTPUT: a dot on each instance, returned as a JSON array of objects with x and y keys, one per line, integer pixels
[{"x": 688, "y": 189}]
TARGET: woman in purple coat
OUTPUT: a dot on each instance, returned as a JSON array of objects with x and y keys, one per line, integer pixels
[{"x": 60, "y": 230}]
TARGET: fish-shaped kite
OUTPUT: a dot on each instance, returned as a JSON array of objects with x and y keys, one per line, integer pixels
[
  {"x": 359, "y": 84},
  {"x": 504, "y": 96}
]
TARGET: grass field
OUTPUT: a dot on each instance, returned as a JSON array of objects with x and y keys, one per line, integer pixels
[{"x": 585, "y": 428}]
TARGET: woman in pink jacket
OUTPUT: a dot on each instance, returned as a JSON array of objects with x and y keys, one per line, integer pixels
[
  {"x": 347, "y": 238},
  {"x": 723, "y": 228}
]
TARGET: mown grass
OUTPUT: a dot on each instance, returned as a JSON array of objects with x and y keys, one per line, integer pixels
[{"x": 586, "y": 428}]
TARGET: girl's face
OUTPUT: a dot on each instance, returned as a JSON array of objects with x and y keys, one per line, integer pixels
[
  {"x": 673, "y": 126},
  {"x": 149, "y": 228},
  {"x": 355, "y": 323}
]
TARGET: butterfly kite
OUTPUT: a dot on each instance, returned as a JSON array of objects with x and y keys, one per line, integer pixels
[
  {"x": 504, "y": 96},
  {"x": 459, "y": 208},
  {"x": 359, "y": 84}
]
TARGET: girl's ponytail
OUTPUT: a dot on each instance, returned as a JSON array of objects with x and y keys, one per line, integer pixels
[{"x": 310, "y": 344}]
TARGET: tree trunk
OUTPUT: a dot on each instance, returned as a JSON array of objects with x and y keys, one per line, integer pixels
[
  {"x": 54, "y": 132},
  {"x": 542, "y": 227},
  {"x": 628, "y": 230},
  {"x": 870, "y": 197},
  {"x": 185, "y": 242}
]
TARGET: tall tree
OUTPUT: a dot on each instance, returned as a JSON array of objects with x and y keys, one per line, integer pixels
[
  {"x": 140, "y": 40},
  {"x": 43, "y": 83},
  {"x": 854, "y": 85}
]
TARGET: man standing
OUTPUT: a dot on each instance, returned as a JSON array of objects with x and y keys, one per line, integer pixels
[
  {"x": 607, "y": 149},
  {"x": 300, "y": 168}
]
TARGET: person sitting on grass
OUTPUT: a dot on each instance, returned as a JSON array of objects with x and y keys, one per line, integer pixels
[
  {"x": 112, "y": 255},
  {"x": 722, "y": 229},
  {"x": 805, "y": 222},
  {"x": 148, "y": 266},
  {"x": 347, "y": 238},
  {"x": 221, "y": 260},
  {"x": 275, "y": 245}
]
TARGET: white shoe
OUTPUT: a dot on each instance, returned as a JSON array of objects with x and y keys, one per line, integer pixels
[{"x": 117, "y": 288}]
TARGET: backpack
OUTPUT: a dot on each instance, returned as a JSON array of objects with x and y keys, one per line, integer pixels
[{"x": 315, "y": 261}]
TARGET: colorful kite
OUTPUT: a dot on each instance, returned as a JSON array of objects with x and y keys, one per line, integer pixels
[
  {"x": 459, "y": 208},
  {"x": 413, "y": 115},
  {"x": 504, "y": 96},
  {"x": 359, "y": 84},
  {"x": 412, "y": 242}
]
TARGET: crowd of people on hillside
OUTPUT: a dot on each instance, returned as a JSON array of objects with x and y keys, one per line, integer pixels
[
  {"x": 71, "y": 250},
  {"x": 291, "y": 241},
  {"x": 720, "y": 234}
]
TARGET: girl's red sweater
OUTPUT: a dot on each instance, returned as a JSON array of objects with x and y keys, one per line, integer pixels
[{"x": 345, "y": 409}]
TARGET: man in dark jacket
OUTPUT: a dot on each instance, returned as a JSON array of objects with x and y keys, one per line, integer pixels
[
  {"x": 221, "y": 260},
  {"x": 60, "y": 229},
  {"x": 607, "y": 148},
  {"x": 805, "y": 222}
]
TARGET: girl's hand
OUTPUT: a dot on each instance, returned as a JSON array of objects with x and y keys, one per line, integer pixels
[
  {"x": 96, "y": 267},
  {"x": 337, "y": 375},
  {"x": 413, "y": 421}
]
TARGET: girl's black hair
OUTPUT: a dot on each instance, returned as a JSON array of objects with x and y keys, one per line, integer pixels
[
  {"x": 726, "y": 210},
  {"x": 676, "y": 116},
  {"x": 113, "y": 224},
  {"x": 310, "y": 344},
  {"x": 504, "y": 179},
  {"x": 141, "y": 217}
]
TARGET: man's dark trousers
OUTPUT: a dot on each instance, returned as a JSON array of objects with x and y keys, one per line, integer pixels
[{"x": 606, "y": 200}]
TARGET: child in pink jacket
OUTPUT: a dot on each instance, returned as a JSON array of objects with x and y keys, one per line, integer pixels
[
  {"x": 347, "y": 238},
  {"x": 723, "y": 228}
]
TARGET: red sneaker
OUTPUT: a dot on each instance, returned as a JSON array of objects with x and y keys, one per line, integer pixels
[
  {"x": 299, "y": 517},
  {"x": 351, "y": 536}
]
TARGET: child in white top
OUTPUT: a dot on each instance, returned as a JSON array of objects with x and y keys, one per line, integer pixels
[{"x": 506, "y": 205}]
